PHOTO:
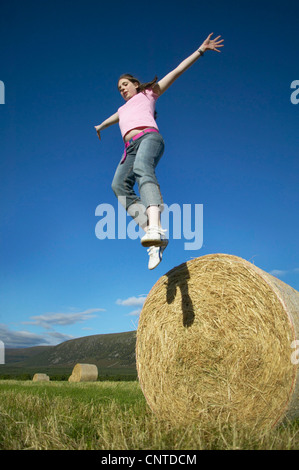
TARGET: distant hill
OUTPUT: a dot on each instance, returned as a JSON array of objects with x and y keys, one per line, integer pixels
[{"x": 111, "y": 353}]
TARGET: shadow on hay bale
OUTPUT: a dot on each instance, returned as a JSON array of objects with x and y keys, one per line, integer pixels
[
  {"x": 84, "y": 373},
  {"x": 181, "y": 281},
  {"x": 214, "y": 341}
]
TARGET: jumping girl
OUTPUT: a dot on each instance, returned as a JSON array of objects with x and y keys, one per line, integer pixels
[{"x": 144, "y": 146}]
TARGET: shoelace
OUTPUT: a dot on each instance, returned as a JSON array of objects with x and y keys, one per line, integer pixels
[
  {"x": 160, "y": 230},
  {"x": 153, "y": 249}
]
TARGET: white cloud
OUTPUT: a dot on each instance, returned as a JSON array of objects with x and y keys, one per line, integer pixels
[
  {"x": 59, "y": 337},
  {"x": 25, "y": 338},
  {"x": 132, "y": 301},
  {"x": 48, "y": 319},
  {"x": 134, "y": 313},
  {"x": 278, "y": 272},
  {"x": 283, "y": 272},
  {"x": 21, "y": 339}
]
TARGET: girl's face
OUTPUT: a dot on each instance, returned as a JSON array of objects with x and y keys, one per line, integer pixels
[{"x": 127, "y": 88}]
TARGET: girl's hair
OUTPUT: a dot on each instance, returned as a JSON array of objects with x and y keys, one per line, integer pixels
[{"x": 141, "y": 86}]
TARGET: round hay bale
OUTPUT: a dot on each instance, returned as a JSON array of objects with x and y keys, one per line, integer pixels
[
  {"x": 215, "y": 340},
  {"x": 84, "y": 373},
  {"x": 41, "y": 378}
]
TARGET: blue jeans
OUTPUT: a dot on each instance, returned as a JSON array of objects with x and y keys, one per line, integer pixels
[{"x": 143, "y": 155}]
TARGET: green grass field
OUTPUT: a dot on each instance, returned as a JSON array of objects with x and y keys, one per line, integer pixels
[{"x": 112, "y": 416}]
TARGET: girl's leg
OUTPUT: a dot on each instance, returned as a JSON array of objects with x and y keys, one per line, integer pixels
[
  {"x": 123, "y": 188},
  {"x": 148, "y": 155},
  {"x": 154, "y": 216},
  {"x": 149, "y": 152}
]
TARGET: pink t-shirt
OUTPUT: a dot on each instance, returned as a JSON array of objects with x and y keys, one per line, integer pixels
[{"x": 139, "y": 111}]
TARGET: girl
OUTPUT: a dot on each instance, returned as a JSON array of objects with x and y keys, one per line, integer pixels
[{"x": 144, "y": 147}]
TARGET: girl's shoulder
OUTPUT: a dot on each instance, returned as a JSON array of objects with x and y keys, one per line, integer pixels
[{"x": 149, "y": 92}]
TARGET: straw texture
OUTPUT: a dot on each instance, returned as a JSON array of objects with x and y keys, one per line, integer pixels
[
  {"x": 214, "y": 343},
  {"x": 84, "y": 373},
  {"x": 41, "y": 378}
]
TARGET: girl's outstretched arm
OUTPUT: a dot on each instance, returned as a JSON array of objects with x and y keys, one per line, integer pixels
[
  {"x": 208, "y": 44},
  {"x": 108, "y": 122}
]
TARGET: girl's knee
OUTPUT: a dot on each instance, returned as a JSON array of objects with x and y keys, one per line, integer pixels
[{"x": 141, "y": 170}]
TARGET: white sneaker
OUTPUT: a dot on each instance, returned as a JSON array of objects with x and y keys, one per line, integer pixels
[
  {"x": 155, "y": 254},
  {"x": 154, "y": 237}
]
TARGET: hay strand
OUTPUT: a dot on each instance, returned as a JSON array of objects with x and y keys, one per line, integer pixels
[
  {"x": 214, "y": 342},
  {"x": 84, "y": 373}
]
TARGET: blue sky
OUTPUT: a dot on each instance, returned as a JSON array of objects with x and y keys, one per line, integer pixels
[{"x": 231, "y": 135}]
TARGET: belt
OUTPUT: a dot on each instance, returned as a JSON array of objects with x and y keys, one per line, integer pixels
[{"x": 127, "y": 144}]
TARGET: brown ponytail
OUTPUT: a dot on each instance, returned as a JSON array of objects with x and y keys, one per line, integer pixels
[{"x": 141, "y": 86}]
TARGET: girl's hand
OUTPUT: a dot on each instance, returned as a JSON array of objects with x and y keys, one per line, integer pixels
[
  {"x": 97, "y": 128},
  {"x": 212, "y": 44}
]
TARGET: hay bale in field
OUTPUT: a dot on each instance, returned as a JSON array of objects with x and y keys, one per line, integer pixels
[
  {"x": 84, "y": 373},
  {"x": 216, "y": 340},
  {"x": 41, "y": 378}
]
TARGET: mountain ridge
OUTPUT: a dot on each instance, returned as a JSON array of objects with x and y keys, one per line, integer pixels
[{"x": 114, "y": 351}]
